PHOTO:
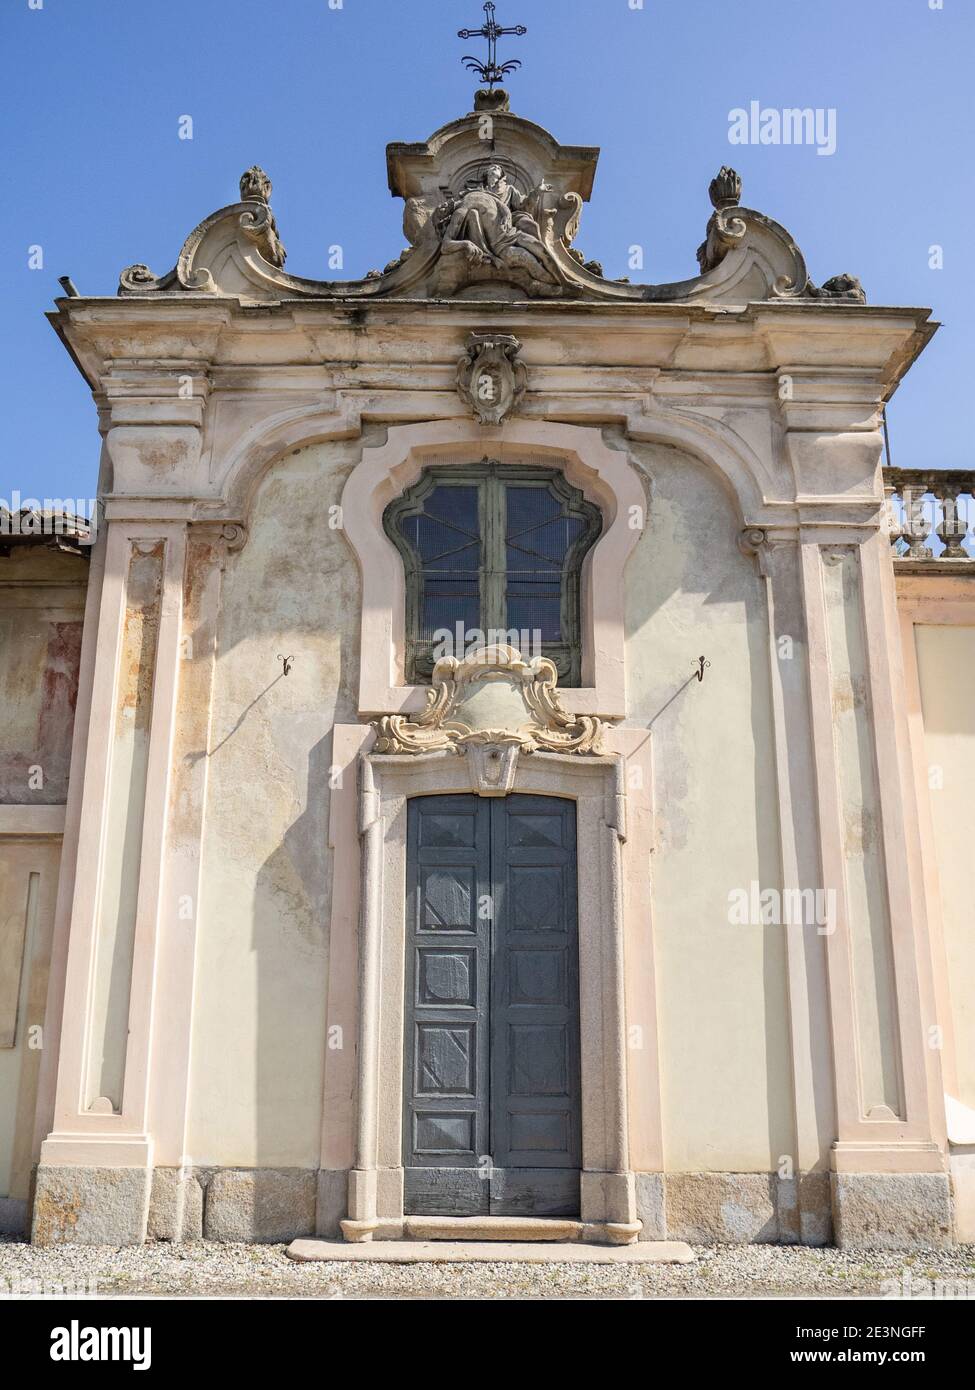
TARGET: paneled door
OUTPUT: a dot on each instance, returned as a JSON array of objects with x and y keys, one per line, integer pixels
[{"x": 492, "y": 1113}]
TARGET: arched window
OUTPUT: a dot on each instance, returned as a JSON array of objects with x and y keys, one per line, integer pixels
[{"x": 496, "y": 549}]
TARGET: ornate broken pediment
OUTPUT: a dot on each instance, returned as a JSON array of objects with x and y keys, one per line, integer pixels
[
  {"x": 492, "y": 206},
  {"x": 734, "y": 228},
  {"x": 218, "y": 253},
  {"x": 549, "y": 728},
  {"x": 490, "y": 378}
]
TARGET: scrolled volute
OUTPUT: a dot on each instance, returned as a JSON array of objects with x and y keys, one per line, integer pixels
[{"x": 551, "y": 728}]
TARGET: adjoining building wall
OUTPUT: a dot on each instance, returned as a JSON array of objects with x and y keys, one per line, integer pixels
[
  {"x": 42, "y": 598},
  {"x": 938, "y": 637},
  {"x": 946, "y": 666},
  {"x": 28, "y": 885}
]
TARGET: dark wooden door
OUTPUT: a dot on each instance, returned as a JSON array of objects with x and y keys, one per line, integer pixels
[
  {"x": 448, "y": 970},
  {"x": 492, "y": 1116}
]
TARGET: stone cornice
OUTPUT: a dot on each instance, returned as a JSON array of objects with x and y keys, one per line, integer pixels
[
  {"x": 782, "y": 399},
  {"x": 104, "y": 334},
  {"x": 215, "y": 310}
]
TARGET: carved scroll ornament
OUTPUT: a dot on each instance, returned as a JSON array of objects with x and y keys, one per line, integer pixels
[
  {"x": 551, "y": 729},
  {"x": 490, "y": 379}
]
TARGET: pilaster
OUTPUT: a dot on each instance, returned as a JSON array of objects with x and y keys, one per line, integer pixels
[
  {"x": 101, "y": 1118},
  {"x": 778, "y": 557},
  {"x": 207, "y": 550},
  {"x": 878, "y": 970}
]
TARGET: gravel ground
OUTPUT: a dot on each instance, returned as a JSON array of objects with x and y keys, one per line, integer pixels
[{"x": 209, "y": 1269}]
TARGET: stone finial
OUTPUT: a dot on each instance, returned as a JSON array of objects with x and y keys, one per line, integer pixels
[
  {"x": 260, "y": 227},
  {"x": 255, "y": 186},
  {"x": 493, "y": 102},
  {"x": 723, "y": 229},
  {"x": 724, "y": 190}
]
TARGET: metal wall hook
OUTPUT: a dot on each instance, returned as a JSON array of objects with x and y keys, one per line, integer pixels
[
  {"x": 288, "y": 661},
  {"x": 702, "y": 665}
]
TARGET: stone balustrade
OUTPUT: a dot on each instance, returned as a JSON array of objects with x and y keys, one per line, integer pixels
[{"x": 931, "y": 515}]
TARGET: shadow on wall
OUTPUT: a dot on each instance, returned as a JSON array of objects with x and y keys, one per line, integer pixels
[
  {"x": 725, "y": 1035},
  {"x": 267, "y": 880}
]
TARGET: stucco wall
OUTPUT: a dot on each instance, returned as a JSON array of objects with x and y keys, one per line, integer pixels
[
  {"x": 259, "y": 1030},
  {"x": 260, "y": 1017},
  {"x": 724, "y": 1037},
  {"x": 946, "y": 669}
]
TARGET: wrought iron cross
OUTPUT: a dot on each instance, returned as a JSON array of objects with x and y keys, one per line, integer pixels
[{"x": 489, "y": 71}]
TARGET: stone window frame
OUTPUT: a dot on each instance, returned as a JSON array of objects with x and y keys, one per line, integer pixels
[
  {"x": 605, "y": 476},
  {"x": 566, "y": 653}
]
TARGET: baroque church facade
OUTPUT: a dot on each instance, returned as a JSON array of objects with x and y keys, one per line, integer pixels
[{"x": 486, "y": 750}]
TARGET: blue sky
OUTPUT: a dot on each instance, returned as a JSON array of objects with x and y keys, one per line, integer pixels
[{"x": 95, "y": 174}]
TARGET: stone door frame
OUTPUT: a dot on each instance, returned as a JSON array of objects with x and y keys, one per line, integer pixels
[{"x": 386, "y": 782}]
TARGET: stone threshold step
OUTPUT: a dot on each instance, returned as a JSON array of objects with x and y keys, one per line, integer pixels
[
  {"x": 508, "y": 1228},
  {"x": 481, "y": 1252},
  {"x": 516, "y": 1228}
]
